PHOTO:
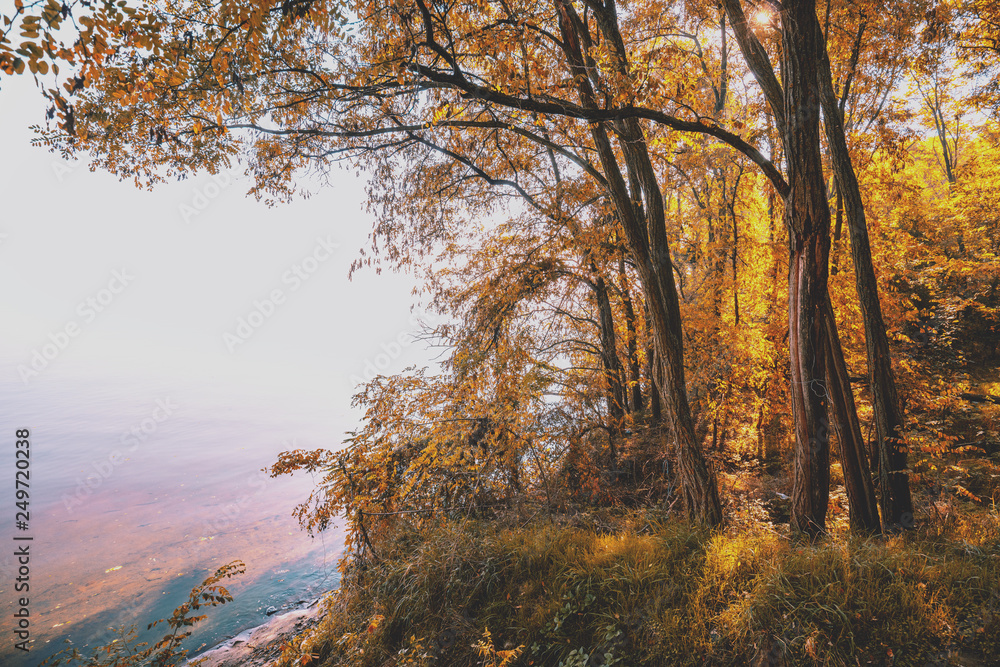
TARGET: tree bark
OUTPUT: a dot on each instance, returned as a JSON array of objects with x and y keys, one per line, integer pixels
[
  {"x": 807, "y": 216},
  {"x": 816, "y": 359},
  {"x": 655, "y": 406},
  {"x": 837, "y": 228},
  {"x": 857, "y": 482},
  {"x": 894, "y": 485},
  {"x": 635, "y": 376},
  {"x": 612, "y": 366},
  {"x": 647, "y": 241}
]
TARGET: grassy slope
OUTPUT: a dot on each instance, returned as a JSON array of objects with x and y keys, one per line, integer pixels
[{"x": 632, "y": 590}]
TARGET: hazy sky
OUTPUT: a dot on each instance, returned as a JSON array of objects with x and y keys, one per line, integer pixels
[{"x": 102, "y": 280}]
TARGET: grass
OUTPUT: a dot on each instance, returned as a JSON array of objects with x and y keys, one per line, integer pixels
[{"x": 633, "y": 588}]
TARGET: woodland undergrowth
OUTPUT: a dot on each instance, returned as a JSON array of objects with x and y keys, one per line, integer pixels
[{"x": 607, "y": 586}]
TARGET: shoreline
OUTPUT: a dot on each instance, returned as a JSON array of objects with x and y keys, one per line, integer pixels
[{"x": 261, "y": 645}]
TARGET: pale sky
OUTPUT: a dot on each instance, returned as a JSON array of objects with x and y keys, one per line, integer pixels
[{"x": 100, "y": 279}]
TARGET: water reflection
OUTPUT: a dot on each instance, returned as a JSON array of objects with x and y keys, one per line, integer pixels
[{"x": 139, "y": 493}]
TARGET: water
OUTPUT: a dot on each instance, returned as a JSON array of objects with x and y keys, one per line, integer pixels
[{"x": 138, "y": 493}]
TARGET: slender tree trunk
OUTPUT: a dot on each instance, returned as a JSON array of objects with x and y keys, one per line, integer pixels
[
  {"x": 857, "y": 482},
  {"x": 612, "y": 366},
  {"x": 736, "y": 284},
  {"x": 698, "y": 482},
  {"x": 635, "y": 376},
  {"x": 646, "y": 238},
  {"x": 656, "y": 271},
  {"x": 838, "y": 228},
  {"x": 894, "y": 484},
  {"x": 807, "y": 216},
  {"x": 655, "y": 406}
]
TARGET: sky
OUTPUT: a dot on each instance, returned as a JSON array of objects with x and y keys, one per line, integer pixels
[
  {"x": 196, "y": 295},
  {"x": 192, "y": 282}
]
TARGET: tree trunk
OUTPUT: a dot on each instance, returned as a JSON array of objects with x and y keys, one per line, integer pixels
[
  {"x": 814, "y": 350},
  {"x": 894, "y": 484},
  {"x": 635, "y": 376},
  {"x": 837, "y": 227},
  {"x": 811, "y": 486},
  {"x": 612, "y": 366},
  {"x": 646, "y": 238},
  {"x": 655, "y": 407},
  {"x": 857, "y": 481},
  {"x": 736, "y": 283},
  {"x": 807, "y": 216}
]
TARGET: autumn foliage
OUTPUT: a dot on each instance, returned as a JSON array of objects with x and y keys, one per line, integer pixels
[{"x": 668, "y": 239}]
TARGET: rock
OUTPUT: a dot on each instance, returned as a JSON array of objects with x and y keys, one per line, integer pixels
[{"x": 259, "y": 646}]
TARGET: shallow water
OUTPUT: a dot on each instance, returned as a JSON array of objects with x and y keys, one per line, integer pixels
[{"x": 138, "y": 493}]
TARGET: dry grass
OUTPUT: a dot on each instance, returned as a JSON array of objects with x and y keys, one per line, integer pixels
[{"x": 634, "y": 589}]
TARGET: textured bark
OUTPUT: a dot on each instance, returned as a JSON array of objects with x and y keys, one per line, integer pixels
[
  {"x": 612, "y": 367},
  {"x": 655, "y": 405},
  {"x": 894, "y": 485},
  {"x": 657, "y": 274},
  {"x": 807, "y": 216},
  {"x": 838, "y": 228},
  {"x": 857, "y": 482},
  {"x": 697, "y": 481},
  {"x": 635, "y": 375},
  {"x": 814, "y": 349},
  {"x": 646, "y": 236},
  {"x": 806, "y": 293}
]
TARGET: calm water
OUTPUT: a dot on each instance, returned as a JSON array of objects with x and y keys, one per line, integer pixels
[{"x": 138, "y": 494}]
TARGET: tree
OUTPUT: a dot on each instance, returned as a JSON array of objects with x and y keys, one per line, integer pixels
[
  {"x": 817, "y": 367},
  {"x": 596, "y": 88},
  {"x": 894, "y": 492},
  {"x": 978, "y": 40}
]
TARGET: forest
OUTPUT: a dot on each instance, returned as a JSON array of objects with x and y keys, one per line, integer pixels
[{"x": 720, "y": 293}]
